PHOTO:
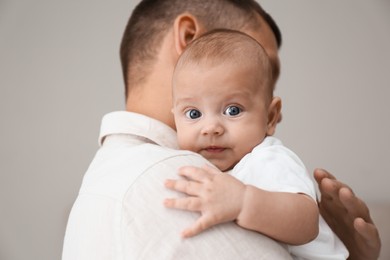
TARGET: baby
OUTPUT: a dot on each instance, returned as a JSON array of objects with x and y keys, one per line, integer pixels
[{"x": 225, "y": 110}]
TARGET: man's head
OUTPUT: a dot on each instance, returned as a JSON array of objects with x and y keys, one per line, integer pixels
[
  {"x": 159, "y": 30},
  {"x": 223, "y": 100}
]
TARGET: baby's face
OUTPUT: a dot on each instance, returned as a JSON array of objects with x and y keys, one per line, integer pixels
[{"x": 220, "y": 112}]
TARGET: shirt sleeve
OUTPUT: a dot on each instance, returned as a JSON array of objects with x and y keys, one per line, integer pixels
[{"x": 275, "y": 168}]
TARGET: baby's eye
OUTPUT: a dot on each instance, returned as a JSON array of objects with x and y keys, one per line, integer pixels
[
  {"x": 193, "y": 113},
  {"x": 232, "y": 111}
]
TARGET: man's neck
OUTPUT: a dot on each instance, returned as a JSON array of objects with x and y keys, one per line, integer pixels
[
  {"x": 153, "y": 97},
  {"x": 154, "y": 106}
]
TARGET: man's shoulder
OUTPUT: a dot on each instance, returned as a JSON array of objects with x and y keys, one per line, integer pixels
[
  {"x": 141, "y": 157},
  {"x": 115, "y": 169}
]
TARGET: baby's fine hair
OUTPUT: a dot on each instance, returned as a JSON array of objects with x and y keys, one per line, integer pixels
[{"x": 221, "y": 46}]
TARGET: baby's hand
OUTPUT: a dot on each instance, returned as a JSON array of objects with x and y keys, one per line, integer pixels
[{"x": 216, "y": 195}]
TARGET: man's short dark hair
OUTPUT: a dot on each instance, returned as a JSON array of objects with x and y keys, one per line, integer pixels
[{"x": 151, "y": 19}]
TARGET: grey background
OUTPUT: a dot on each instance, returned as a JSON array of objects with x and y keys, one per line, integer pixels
[{"x": 60, "y": 73}]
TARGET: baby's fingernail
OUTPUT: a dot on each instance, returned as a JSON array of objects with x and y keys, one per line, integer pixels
[
  {"x": 184, "y": 234},
  {"x": 166, "y": 202}
]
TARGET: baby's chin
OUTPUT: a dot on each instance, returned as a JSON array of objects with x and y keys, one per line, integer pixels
[{"x": 222, "y": 165}]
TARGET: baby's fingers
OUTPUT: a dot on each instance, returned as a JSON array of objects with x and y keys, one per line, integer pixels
[
  {"x": 188, "y": 203},
  {"x": 200, "y": 225},
  {"x": 198, "y": 174},
  {"x": 184, "y": 186}
]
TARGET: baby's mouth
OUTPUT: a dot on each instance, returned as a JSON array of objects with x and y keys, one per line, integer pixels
[{"x": 214, "y": 149}]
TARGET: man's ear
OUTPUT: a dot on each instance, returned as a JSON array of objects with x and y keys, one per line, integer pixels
[
  {"x": 186, "y": 29},
  {"x": 274, "y": 115}
]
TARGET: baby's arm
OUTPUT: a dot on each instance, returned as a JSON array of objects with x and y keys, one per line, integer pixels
[
  {"x": 287, "y": 217},
  {"x": 291, "y": 218}
]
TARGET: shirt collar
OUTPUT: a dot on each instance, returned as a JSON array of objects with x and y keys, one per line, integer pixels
[{"x": 123, "y": 122}]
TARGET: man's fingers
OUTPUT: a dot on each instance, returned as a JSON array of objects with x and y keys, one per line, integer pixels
[
  {"x": 185, "y": 186},
  {"x": 188, "y": 203},
  {"x": 368, "y": 231},
  {"x": 327, "y": 184},
  {"x": 355, "y": 206},
  {"x": 320, "y": 174},
  {"x": 350, "y": 202},
  {"x": 329, "y": 188}
]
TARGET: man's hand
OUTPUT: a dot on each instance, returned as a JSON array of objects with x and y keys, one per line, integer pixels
[
  {"x": 348, "y": 216},
  {"x": 216, "y": 195}
]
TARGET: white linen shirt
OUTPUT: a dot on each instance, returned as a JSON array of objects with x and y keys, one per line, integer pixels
[
  {"x": 272, "y": 166},
  {"x": 119, "y": 212}
]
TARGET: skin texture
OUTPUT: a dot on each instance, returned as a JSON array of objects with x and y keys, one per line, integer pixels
[
  {"x": 213, "y": 103},
  {"x": 212, "y": 91},
  {"x": 146, "y": 99}
]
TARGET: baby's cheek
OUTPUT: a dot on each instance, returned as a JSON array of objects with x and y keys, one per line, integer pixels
[
  {"x": 185, "y": 142},
  {"x": 180, "y": 142}
]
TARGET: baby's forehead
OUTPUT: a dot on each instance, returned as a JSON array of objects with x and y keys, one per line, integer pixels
[{"x": 227, "y": 80}]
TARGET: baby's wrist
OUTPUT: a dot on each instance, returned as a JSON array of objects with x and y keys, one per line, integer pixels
[{"x": 245, "y": 205}]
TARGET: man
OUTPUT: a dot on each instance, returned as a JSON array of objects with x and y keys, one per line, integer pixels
[{"x": 119, "y": 212}]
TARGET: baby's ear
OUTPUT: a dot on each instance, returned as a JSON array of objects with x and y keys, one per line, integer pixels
[{"x": 274, "y": 114}]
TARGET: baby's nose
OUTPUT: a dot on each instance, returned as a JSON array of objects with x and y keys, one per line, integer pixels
[{"x": 214, "y": 128}]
